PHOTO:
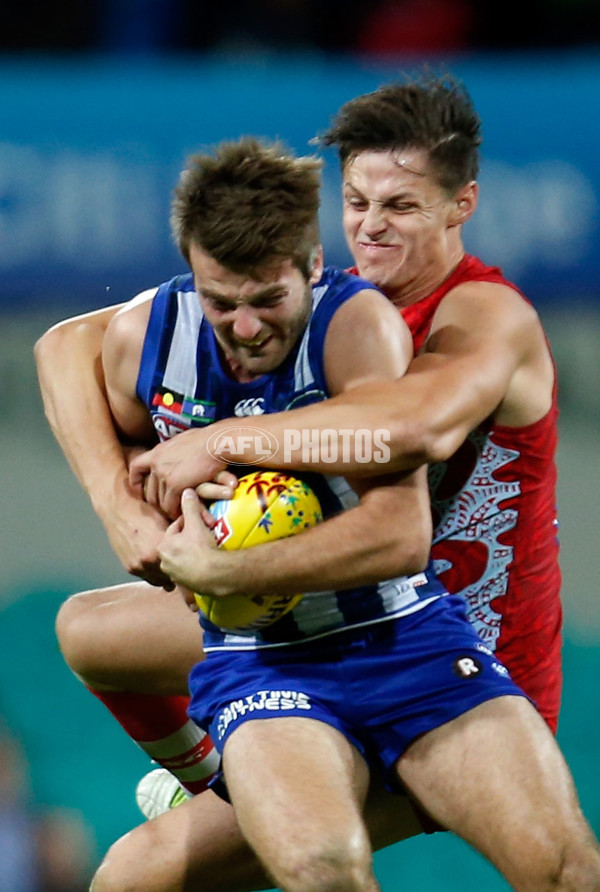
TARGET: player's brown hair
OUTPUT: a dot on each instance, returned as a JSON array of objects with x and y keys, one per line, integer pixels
[
  {"x": 429, "y": 112},
  {"x": 249, "y": 204}
]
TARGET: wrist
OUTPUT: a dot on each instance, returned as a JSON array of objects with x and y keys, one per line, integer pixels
[
  {"x": 113, "y": 496},
  {"x": 221, "y": 573}
]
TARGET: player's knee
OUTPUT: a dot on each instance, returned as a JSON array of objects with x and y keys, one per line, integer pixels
[
  {"x": 578, "y": 868},
  {"x": 122, "y": 869},
  {"x": 331, "y": 865},
  {"x": 108, "y": 878},
  {"x": 151, "y": 856},
  {"x": 77, "y": 632},
  {"x": 560, "y": 866},
  {"x": 68, "y": 627}
]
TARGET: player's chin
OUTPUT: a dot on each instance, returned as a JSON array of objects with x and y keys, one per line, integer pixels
[
  {"x": 378, "y": 260},
  {"x": 268, "y": 362},
  {"x": 376, "y": 269}
]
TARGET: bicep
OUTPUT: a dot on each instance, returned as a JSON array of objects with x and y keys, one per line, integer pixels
[
  {"x": 477, "y": 343},
  {"x": 493, "y": 346},
  {"x": 367, "y": 340}
]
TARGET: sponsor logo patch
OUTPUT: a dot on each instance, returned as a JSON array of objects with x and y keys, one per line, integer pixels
[
  {"x": 252, "y": 406},
  {"x": 466, "y": 667},
  {"x": 261, "y": 701}
]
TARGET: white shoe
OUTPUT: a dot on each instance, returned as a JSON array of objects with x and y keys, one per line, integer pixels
[{"x": 158, "y": 791}]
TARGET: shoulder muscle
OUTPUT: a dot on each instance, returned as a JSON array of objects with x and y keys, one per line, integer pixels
[
  {"x": 497, "y": 337},
  {"x": 367, "y": 340}
]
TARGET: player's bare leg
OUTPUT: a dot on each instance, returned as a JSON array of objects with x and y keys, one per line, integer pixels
[
  {"x": 298, "y": 787},
  {"x": 496, "y": 777}
]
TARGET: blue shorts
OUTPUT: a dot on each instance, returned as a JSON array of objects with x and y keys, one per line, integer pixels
[{"x": 381, "y": 686}]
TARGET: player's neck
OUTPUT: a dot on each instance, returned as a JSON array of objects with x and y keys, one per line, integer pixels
[{"x": 411, "y": 292}]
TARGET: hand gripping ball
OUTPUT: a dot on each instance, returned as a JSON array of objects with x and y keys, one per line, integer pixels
[{"x": 267, "y": 505}]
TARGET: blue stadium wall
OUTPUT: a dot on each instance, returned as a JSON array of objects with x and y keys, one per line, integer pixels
[{"x": 90, "y": 151}]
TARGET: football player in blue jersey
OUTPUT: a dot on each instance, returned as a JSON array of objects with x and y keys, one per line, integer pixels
[{"x": 299, "y": 778}]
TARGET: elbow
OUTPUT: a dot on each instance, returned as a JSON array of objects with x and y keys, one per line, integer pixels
[
  {"x": 44, "y": 345},
  {"x": 407, "y": 552},
  {"x": 45, "y": 351},
  {"x": 415, "y": 554},
  {"x": 439, "y": 446},
  {"x": 53, "y": 345},
  {"x": 72, "y": 344},
  {"x": 404, "y": 560},
  {"x": 422, "y": 442}
]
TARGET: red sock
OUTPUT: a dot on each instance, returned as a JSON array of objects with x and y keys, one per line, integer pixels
[{"x": 161, "y": 727}]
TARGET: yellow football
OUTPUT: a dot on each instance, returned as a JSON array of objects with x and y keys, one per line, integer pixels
[{"x": 267, "y": 505}]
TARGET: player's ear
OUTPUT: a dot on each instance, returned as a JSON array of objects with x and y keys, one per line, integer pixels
[
  {"x": 464, "y": 204},
  {"x": 316, "y": 264}
]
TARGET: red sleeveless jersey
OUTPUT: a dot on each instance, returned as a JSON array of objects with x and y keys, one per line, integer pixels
[{"x": 495, "y": 527}]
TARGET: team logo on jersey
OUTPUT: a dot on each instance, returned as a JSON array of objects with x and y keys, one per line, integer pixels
[
  {"x": 167, "y": 427},
  {"x": 252, "y": 406},
  {"x": 466, "y": 667}
]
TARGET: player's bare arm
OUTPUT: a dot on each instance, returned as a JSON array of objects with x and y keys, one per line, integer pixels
[
  {"x": 387, "y": 534},
  {"x": 69, "y": 362},
  {"x": 121, "y": 350}
]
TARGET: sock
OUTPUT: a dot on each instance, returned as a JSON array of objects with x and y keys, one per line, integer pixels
[{"x": 161, "y": 727}]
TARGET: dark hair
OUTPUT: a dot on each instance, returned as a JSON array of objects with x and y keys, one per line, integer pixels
[
  {"x": 249, "y": 204},
  {"x": 428, "y": 112}
]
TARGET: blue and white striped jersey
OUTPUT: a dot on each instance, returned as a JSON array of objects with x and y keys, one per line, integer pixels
[{"x": 183, "y": 384}]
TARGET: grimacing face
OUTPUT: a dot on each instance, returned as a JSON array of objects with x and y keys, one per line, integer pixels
[
  {"x": 396, "y": 219},
  {"x": 258, "y": 321}
]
